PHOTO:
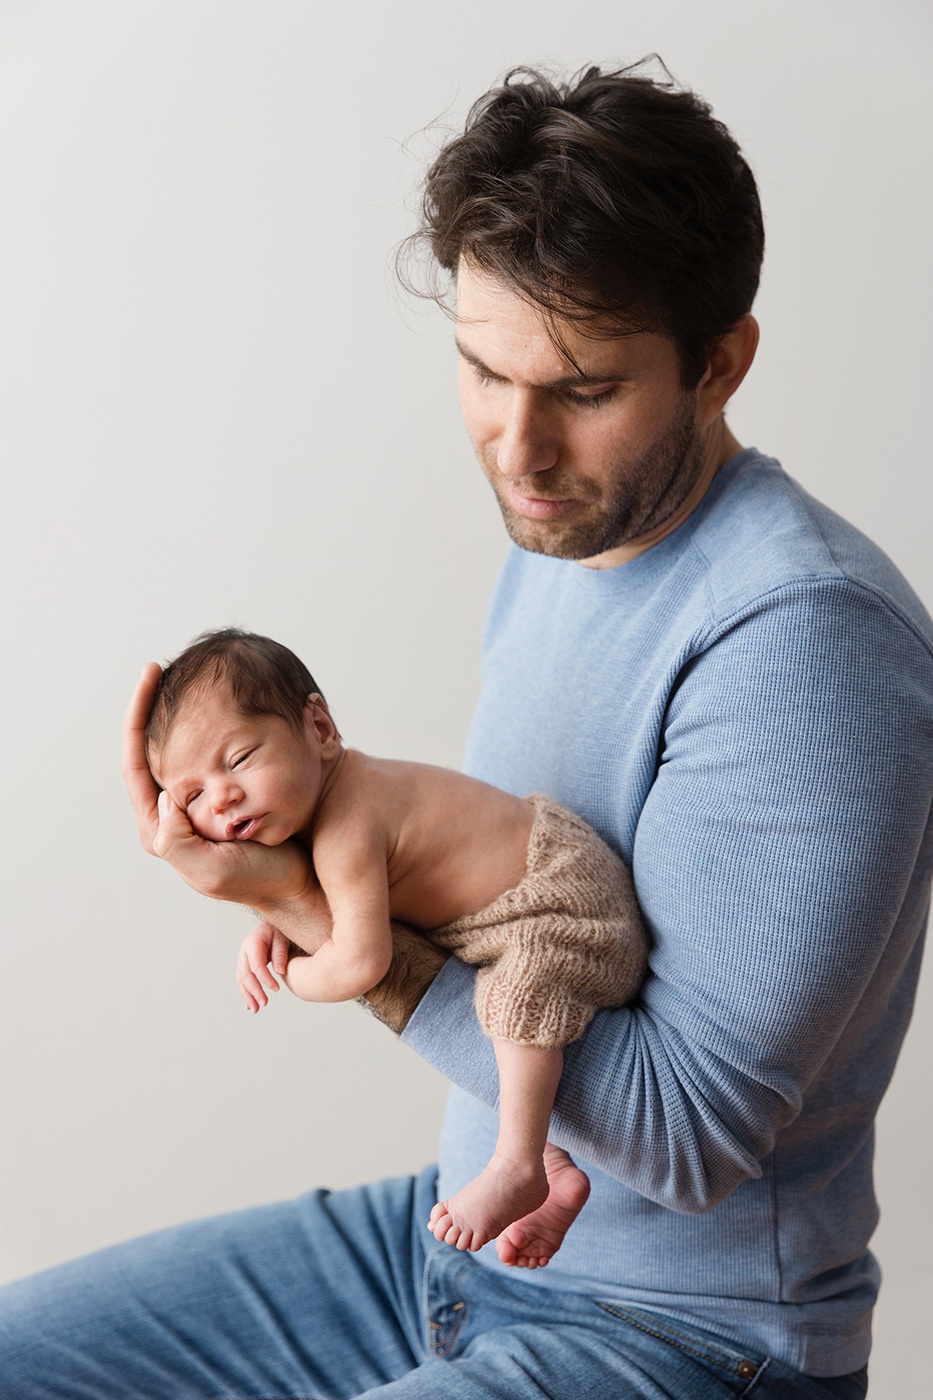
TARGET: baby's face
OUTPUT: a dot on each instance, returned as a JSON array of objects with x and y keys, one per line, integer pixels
[{"x": 240, "y": 777}]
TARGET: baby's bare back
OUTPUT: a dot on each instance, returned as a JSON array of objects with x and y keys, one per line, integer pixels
[{"x": 452, "y": 844}]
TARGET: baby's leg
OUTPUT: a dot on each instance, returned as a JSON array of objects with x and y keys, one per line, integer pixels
[
  {"x": 515, "y": 1183},
  {"x": 530, "y": 1243}
]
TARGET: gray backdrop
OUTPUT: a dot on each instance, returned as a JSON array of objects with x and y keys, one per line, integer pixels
[{"x": 217, "y": 408}]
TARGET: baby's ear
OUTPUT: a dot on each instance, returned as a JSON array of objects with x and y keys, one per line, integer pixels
[
  {"x": 316, "y": 703},
  {"x": 319, "y": 716}
]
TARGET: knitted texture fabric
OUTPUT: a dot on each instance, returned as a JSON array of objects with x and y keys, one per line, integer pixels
[{"x": 565, "y": 941}]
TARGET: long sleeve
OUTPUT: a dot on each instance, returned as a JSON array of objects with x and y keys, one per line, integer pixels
[
  {"x": 745, "y": 712},
  {"x": 774, "y": 856}
]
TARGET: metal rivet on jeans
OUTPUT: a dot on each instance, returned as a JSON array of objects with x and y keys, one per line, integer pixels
[{"x": 747, "y": 1369}]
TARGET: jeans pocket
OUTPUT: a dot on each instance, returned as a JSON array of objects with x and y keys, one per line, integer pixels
[
  {"x": 445, "y": 1325},
  {"x": 740, "y": 1371}
]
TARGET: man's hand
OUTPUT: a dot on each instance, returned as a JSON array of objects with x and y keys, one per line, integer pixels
[
  {"x": 144, "y": 793},
  {"x": 241, "y": 872}
]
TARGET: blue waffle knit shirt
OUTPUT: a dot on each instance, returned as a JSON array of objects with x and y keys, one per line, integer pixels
[{"x": 745, "y": 712}]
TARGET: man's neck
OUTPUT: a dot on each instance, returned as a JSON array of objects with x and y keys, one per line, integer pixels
[{"x": 721, "y": 445}]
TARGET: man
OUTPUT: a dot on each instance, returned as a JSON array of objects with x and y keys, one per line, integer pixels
[{"x": 736, "y": 689}]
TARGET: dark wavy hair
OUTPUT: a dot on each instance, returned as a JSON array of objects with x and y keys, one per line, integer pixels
[
  {"x": 263, "y": 677},
  {"x": 615, "y": 200}
]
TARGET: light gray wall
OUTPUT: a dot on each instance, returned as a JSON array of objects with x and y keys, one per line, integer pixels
[{"x": 215, "y": 408}]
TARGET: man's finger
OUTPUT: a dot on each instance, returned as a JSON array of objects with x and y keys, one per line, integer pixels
[
  {"x": 139, "y": 781},
  {"x": 173, "y": 830},
  {"x": 206, "y": 866}
]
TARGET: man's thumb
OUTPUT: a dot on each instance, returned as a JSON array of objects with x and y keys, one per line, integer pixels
[{"x": 172, "y": 824}]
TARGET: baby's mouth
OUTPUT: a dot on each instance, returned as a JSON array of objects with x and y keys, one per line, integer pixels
[{"x": 242, "y": 830}]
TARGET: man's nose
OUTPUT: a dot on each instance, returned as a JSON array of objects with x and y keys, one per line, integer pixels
[{"x": 529, "y": 441}]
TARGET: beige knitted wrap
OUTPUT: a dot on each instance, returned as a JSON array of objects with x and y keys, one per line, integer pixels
[{"x": 567, "y": 940}]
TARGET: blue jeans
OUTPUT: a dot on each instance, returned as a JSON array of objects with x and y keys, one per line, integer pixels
[{"x": 347, "y": 1294}]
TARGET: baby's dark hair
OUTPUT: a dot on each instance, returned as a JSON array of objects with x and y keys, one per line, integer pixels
[{"x": 263, "y": 677}]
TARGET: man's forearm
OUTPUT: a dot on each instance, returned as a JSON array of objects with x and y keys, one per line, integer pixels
[
  {"x": 415, "y": 964},
  {"x": 302, "y": 916},
  {"x": 415, "y": 960}
]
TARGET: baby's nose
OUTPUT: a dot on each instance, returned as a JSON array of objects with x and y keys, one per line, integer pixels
[{"x": 223, "y": 798}]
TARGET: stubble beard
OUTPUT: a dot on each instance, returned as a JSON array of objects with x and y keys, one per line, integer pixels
[{"x": 651, "y": 488}]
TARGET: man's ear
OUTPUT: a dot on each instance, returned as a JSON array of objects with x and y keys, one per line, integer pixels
[
  {"x": 318, "y": 718},
  {"x": 729, "y": 363}
]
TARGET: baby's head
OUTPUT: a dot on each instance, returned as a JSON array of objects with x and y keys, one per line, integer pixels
[{"x": 240, "y": 738}]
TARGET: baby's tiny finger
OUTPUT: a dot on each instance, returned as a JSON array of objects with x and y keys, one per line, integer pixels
[
  {"x": 254, "y": 988},
  {"x": 245, "y": 996},
  {"x": 265, "y": 976}
]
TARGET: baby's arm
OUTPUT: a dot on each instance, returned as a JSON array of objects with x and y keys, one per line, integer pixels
[{"x": 359, "y": 951}]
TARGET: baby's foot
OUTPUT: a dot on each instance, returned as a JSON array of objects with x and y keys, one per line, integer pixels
[
  {"x": 507, "y": 1190},
  {"x": 529, "y": 1243}
]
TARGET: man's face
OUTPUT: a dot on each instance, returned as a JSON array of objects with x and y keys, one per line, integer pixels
[
  {"x": 240, "y": 777},
  {"x": 588, "y": 466}
]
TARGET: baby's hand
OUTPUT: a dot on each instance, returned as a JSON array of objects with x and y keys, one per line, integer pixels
[{"x": 264, "y": 945}]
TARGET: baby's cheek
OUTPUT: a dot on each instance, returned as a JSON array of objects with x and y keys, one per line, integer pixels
[{"x": 204, "y": 822}]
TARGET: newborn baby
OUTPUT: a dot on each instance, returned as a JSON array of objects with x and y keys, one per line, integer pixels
[{"x": 241, "y": 738}]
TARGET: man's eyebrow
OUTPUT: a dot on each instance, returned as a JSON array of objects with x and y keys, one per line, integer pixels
[{"x": 567, "y": 381}]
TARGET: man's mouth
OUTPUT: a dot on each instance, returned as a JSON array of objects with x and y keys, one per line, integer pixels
[
  {"x": 242, "y": 830},
  {"x": 538, "y": 507}
]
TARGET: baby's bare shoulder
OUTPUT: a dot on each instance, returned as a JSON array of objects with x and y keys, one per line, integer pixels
[
  {"x": 416, "y": 810},
  {"x": 460, "y": 843},
  {"x": 434, "y": 806},
  {"x": 422, "y": 788},
  {"x": 356, "y": 808}
]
